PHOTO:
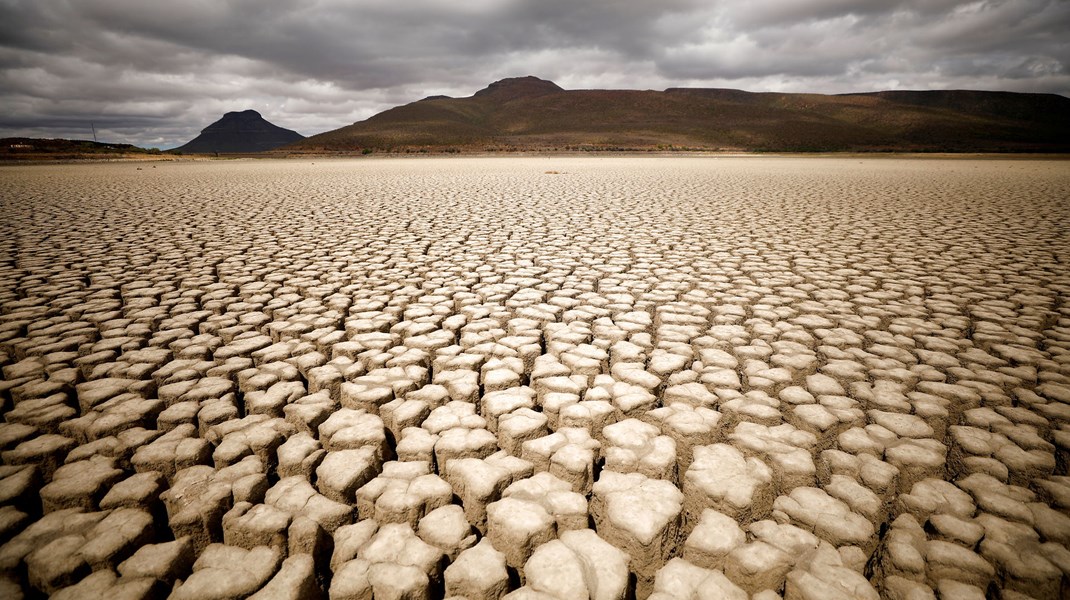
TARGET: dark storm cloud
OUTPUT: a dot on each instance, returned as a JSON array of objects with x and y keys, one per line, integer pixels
[{"x": 155, "y": 73}]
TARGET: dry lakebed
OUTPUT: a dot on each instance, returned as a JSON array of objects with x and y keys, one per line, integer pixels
[{"x": 536, "y": 378}]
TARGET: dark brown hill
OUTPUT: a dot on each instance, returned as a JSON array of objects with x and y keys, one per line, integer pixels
[
  {"x": 241, "y": 132},
  {"x": 32, "y": 149},
  {"x": 530, "y": 113}
]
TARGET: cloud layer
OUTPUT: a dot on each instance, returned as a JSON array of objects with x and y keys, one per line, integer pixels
[{"x": 155, "y": 73}]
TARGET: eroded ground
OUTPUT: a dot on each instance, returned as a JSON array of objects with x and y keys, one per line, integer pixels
[{"x": 548, "y": 378}]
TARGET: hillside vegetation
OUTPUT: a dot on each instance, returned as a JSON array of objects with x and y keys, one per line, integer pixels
[{"x": 529, "y": 113}]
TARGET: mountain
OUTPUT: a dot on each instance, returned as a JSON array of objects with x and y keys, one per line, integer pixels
[
  {"x": 528, "y": 113},
  {"x": 244, "y": 131}
]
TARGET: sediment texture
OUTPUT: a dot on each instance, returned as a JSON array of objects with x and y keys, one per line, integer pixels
[{"x": 539, "y": 377}]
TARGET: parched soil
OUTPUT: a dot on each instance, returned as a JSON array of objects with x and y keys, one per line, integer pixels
[{"x": 807, "y": 378}]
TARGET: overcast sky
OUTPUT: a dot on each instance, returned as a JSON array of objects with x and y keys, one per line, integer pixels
[{"x": 154, "y": 73}]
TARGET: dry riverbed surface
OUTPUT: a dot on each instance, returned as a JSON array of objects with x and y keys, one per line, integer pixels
[{"x": 536, "y": 378}]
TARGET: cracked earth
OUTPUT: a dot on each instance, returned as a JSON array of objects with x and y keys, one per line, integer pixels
[{"x": 804, "y": 378}]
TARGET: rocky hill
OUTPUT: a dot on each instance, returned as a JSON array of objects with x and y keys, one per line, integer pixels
[
  {"x": 529, "y": 113},
  {"x": 240, "y": 132}
]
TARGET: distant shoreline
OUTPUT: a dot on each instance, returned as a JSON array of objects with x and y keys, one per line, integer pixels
[{"x": 164, "y": 157}]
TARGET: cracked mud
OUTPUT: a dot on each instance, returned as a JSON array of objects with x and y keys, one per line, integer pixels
[{"x": 536, "y": 378}]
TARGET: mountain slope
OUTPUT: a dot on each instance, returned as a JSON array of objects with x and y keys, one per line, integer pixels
[
  {"x": 244, "y": 131},
  {"x": 530, "y": 113}
]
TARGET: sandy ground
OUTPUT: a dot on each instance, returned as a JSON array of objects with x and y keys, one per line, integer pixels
[{"x": 755, "y": 377}]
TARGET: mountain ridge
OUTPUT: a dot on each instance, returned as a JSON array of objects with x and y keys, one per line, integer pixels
[{"x": 528, "y": 113}]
